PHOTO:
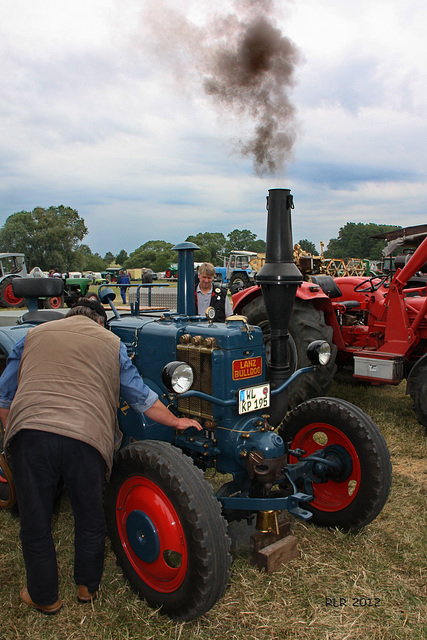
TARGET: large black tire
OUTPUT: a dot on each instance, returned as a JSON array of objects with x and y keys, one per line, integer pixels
[
  {"x": 166, "y": 529},
  {"x": 7, "y": 297},
  {"x": 306, "y": 324},
  {"x": 417, "y": 388},
  {"x": 238, "y": 281},
  {"x": 352, "y": 498}
]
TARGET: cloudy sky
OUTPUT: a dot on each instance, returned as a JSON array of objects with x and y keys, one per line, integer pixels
[{"x": 156, "y": 120}]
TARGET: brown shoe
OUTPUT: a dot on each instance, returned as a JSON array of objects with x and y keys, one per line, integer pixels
[
  {"x": 84, "y": 595},
  {"x": 44, "y": 608}
]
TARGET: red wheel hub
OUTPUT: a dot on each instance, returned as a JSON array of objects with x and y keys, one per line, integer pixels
[
  {"x": 151, "y": 534},
  {"x": 55, "y": 302},
  {"x": 331, "y": 495},
  {"x": 9, "y": 295}
]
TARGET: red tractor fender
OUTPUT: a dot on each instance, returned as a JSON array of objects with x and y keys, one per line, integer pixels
[{"x": 306, "y": 291}]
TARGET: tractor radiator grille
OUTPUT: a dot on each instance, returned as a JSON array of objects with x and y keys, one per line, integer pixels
[{"x": 200, "y": 358}]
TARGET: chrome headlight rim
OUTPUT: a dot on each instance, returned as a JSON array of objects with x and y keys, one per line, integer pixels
[
  {"x": 319, "y": 352},
  {"x": 178, "y": 376}
]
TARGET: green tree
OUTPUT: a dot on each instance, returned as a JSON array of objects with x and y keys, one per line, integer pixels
[
  {"x": 95, "y": 262},
  {"x": 121, "y": 257},
  {"x": 308, "y": 246},
  {"x": 212, "y": 247},
  {"x": 258, "y": 246},
  {"x": 49, "y": 238},
  {"x": 355, "y": 241},
  {"x": 89, "y": 261},
  {"x": 244, "y": 240},
  {"x": 109, "y": 258},
  {"x": 154, "y": 254}
]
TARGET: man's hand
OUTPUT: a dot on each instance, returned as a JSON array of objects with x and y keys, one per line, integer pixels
[
  {"x": 186, "y": 423},
  {"x": 159, "y": 413}
]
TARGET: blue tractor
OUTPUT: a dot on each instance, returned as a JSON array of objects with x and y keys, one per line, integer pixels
[{"x": 324, "y": 461}]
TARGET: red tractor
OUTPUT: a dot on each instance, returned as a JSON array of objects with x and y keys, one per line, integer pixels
[{"x": 377, "y": 328}]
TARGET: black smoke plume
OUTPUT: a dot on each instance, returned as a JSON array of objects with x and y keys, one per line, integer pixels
[{"x": 246, "y": 66}]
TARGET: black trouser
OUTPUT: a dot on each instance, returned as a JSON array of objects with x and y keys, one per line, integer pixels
[{"x": 39, "y": 459}]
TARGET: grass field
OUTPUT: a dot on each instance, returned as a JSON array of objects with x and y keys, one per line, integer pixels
[{"x": 368, "y": 586}]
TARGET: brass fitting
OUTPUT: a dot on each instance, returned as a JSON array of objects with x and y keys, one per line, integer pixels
[{"x": 267, "y": 521}]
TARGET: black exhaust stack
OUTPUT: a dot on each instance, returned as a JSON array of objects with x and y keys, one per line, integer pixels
[{"x": 279, "y": 279}]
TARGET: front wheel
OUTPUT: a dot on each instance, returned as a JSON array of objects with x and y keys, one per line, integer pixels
[
  {"x": 55, "y": 302},
  {"x": 238, "y": 281},
  {"x": 7, "y": 297},
  {"x": 166, "y": 529},
  {"x": 353, "y": 493},
  {"x": 92, "y": 297}
]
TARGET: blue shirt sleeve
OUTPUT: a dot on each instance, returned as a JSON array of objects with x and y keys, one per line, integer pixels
[
  {"x": 9, "y": 377},
  {"x": 138, "y": 395}
]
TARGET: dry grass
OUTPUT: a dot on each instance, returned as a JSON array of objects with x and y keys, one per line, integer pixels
[{"x": 382, "y": 568}]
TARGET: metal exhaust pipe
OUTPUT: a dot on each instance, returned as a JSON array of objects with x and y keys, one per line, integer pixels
[
  {"x": 279, "y": 278},
  {"x": 186, "y": 304}
]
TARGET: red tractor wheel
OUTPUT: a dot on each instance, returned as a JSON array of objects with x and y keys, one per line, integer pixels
[
  {"x": 55, "y": 302},
  {"x": 352, "y": 494},
  {"x": 166, "y": 529},
  {"x": 168, "y": 273},
  {"x": 7, "y": 297}
]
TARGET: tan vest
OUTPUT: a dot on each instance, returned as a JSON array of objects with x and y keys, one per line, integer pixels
[{"x": 69, "y": 383}]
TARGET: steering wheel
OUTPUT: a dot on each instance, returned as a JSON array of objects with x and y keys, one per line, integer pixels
[{"x": 371, "y": 287}]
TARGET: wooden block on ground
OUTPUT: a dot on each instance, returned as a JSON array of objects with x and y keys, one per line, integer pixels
[
  {"x": 259, "y": 540},
  {"x": 271, "y": 557}
]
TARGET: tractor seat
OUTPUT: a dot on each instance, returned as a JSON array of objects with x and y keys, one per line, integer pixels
[
  {"x": 332, "y": 290},
  {"x": 41, "y": 315},
  {"x": 32, "y": 289},
  {"x": 328, "y": 286},
  {"x": 37, "y": 287}
]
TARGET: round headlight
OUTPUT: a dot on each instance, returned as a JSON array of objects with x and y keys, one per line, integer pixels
[
  {"x": 319, "y": 352},
  {"x": 178, "y": 376}
]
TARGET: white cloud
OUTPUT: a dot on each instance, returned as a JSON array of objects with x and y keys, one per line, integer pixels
[{"x": 93, "y": 117}]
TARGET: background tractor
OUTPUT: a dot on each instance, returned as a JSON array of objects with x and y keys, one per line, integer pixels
[
  {"x": 172, "y": 271},
  {"x": 401, "y": 244},
  {"x": 242, "y": 267},
  {"x": 324, "y": 461},
  {"x": 12, "y": 265},
  {"x": 377, "y": 326}
]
